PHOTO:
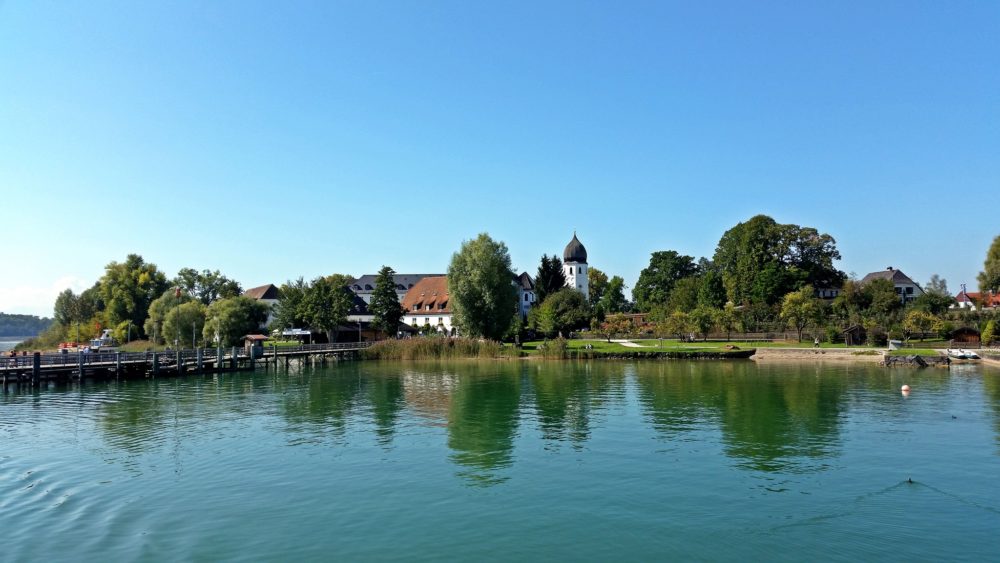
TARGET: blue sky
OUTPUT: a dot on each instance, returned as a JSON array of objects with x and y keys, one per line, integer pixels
[{"x": 273, "y": 140}]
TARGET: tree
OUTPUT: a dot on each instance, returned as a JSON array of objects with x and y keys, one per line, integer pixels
[
  {"x": 989, "y": 333},
  {"x": 617, "y": 325},
  {"x": 127, "y": 289},
  {"x": 919, "y": 321},
  {"x": 290, "y": 311},
  {"x": 550, "y": 278},
  {"x": 728, "y": 319},
  {"x": 761, "y": 260},
  {"x": 657, "y": 280},
  {"x": 327, "y": 303},
  {"x": 799, "y": 308},
  {"x": 597, "y": 284},
  {"x": 933, "y": 302},
  {"x": 937, "y": 285},
  {"x": 613, "y": 300},
  {"x": 480, "y": 288},
  {"x": 883, "y": 301},
  {"x": 385, "y": 307},
  {"x": 563, "y": 311},
  {"x": 158, "y": 310},
  {"x": 711, "y": 290},
  {"x": 678, "y": 323},
  {"x": 65, "y": 309},
  {"x": 233, "y": 318},
  {"x": 185, "y": 321},
  {"x": 703, "y": 320},
  {"x": 206, "y": 286},
  {"x": 684, "y": 297},
  {"x": 989, "y": 278}
]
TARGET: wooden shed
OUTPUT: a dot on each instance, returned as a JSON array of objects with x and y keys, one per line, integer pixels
[{"x": 965, "y": 335}]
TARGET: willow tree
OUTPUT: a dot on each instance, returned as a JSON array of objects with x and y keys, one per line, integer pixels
[{"x": 481, "y": 289}]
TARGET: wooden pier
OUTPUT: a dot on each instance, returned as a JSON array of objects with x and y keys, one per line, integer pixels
[{"x": 36, "y": 368}]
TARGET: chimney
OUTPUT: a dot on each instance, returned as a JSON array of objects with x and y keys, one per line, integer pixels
[{"x": 889, "y": 268}]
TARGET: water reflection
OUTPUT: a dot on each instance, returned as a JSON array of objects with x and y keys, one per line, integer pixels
[
  {"x": 566, "y": 401},
  {"x": 769, "y": 421}
]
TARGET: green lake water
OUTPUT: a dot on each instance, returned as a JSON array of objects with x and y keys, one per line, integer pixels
[{"x": 508, "y": 461}]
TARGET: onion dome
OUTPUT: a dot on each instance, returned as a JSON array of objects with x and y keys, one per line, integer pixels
[{"x": 575, "y": 252}]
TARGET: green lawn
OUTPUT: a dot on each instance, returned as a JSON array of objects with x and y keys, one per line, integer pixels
[
  {"x": 915, "y": 352},
  {"x": 614, "y": 347}
]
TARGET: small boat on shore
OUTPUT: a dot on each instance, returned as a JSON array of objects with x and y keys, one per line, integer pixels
[{"x": 962, "y": 354}]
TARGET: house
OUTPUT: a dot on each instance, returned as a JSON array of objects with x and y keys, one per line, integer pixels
[
  {"x": 266, "y": 294},
  {"x": 427, "y": 303},
  {"x": 575, "y": 266},
  {"x": 972, "y": 300},
  {"x": 364, "y": 286},
  {"x": 906, "y": 289},
  {"x": 827, "y": 293},
  {"x": 525, "y": 293}
]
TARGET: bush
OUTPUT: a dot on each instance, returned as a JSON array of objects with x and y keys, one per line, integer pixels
[
  {"x": 832, "y": 334},
  {"x": 554, "y": 349},
  {"x": 438, "y": 349}
]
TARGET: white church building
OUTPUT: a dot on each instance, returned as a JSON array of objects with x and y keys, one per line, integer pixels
[{"x": 575, "y": 266}]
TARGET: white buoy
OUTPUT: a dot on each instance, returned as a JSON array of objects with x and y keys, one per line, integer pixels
[{"x": 905, "y": 389}]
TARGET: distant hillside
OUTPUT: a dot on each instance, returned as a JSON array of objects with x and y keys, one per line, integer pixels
[{"x": 22, "y": 325}]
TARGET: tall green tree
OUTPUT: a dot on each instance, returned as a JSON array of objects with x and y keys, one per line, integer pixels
[
  {"x": 327, "y": 303},
  {"x": 206, "y": 285},
  {"x": 613, "y": 300},
  {"x": 65, "y": 308},
  {"x": 550, "y": 277},
  {"x": 989, "y": 278},
  {"x": 684, "y": 296},
  {"x": 657, "y": 280},
  {"x": 232, "y": 319},
  {"x": 385, "y": 307},
  {"x": 158, "y": 310},
  {"x": 185, "y": 323},
  {"x": 290, "y": 310},
  {"x": 597, "y": 284},
  {"x": 711, "y": 290},
  {"x": 761, "y": 260},
  {"x": 127, "y": 289},
  {"x": 703, "y": 319},
  {"x": 480, "y": 288}
]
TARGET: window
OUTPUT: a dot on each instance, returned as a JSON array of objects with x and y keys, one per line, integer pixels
[
  {"x": 579, "y": 269},
  {"x": 416, "y": 308},
  {"x": 525, "y": 296},
  {"x": 909, "y": 291},
  {"x": 440, "y": 320}
]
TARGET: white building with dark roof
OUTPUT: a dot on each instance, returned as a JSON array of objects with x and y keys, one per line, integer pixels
[
  {"x": 266, "y": 294},
  {"x": 906, "y": 288},
  {"x": 525, "y": 294},
  {"x": 575, "y": 266},
  {"x": 364, "y": 286}
]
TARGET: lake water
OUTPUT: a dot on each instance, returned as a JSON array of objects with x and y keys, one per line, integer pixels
[
  {"x": 8, "y": 343},
  {"x": 599, "y": 461}
]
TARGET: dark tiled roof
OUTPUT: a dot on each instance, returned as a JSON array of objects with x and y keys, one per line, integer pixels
[
  {"x": 358, "y": 306},
  {"x": 269, "y": 291},
  {"x": 895, "y": 276},
  {"x": 366, "y": 283},
  {"x": 525, "y": 282},
  {"x": 432, "y": 291}
]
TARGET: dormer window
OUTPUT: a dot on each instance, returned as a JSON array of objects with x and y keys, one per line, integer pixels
[
  {"x": 416, "y": 307},
  {"x": 368, "y": 287}
]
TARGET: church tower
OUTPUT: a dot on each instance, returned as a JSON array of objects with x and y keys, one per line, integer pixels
[{"x": 575, "y": 266}]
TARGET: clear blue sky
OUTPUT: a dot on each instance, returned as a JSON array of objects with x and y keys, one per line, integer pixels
[{"x": 273, "y": 140}]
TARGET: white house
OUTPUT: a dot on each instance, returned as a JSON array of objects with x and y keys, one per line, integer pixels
[
  {"x": 575, "y": 266},
  {"x": 364, "y": 286},
  {"x": 525, "y": 294},
  {"x": 906, "y": 289},
  {"x": 427, "y": 303},
  {"x": 266, "y": 294}
]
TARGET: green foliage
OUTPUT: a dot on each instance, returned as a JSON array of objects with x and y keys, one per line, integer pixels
[
  {"x": 617, "y": 325},
  {"x": 762, "y": 260},
  {"x": 613, "y": 298},
  {"x": 22, "y": 325},
  {"x": 65, "y": 308},
  {"x": 989, "y": 278},
  {"x": 937, "y": 285},
  {"x": 550, "y": 277},
  {"x": 184, "y": 323},
  {"x": 562, "y": 312},
  {"x": 480, "y": 289},
  {"x": 918, "y": 320},
  {"x": 206, "y": 286},
  {"x": 123, "y": 332},
  {"x": 290, "y": 310},
  {"x": 703, "y": 320},
  {"x": 327, "y": 303},
  {"x": 597, "y": 284},
  {"x": 883, "y": 301},
  {"x": 657, "y": 281},
  {"x": 127, "y": 289},
  {"x": 933, "y": 302},
  {"x": 989, "y": 333},
  {"x": 728, "y": 319},
  {"x": 554, "y": 349},
  {"x": 437, "y": 349},
  {"x": 385, "y": 306},
  {"x": 684, "y": 296},
  {"x": 711, "y": 290},
  {"x": 232, "y": 319},
  {"x": 678, "y": 324},
  {"x": 799, "y": 308},
  {"x": 158, "y": 311}
]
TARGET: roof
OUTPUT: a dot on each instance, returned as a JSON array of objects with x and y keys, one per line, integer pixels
[
  {"x": 269, "y": 291},
  {"x": 991, "y": 299},
  {"x": 525, "y": 282},
  {"x": 366, "y": 283},
  {"x": 255, "y": 337},
  {"x": 358, "y": 306},
  {"x": 431, "y": 291},
  {"x": 575, "y": 252},
  {"x": 891, "y": 274}
]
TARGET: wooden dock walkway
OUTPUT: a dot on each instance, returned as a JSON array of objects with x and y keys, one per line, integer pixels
[{"x": 40, "y": 367}]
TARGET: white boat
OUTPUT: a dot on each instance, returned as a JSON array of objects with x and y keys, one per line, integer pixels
[{"x": 962, "y": 354}]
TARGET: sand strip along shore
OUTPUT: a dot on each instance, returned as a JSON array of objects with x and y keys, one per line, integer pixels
[{"x": 823, "y": 354}]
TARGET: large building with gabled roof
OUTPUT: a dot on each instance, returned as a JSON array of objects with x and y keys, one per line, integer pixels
[{"x": 906, "y": 288}]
